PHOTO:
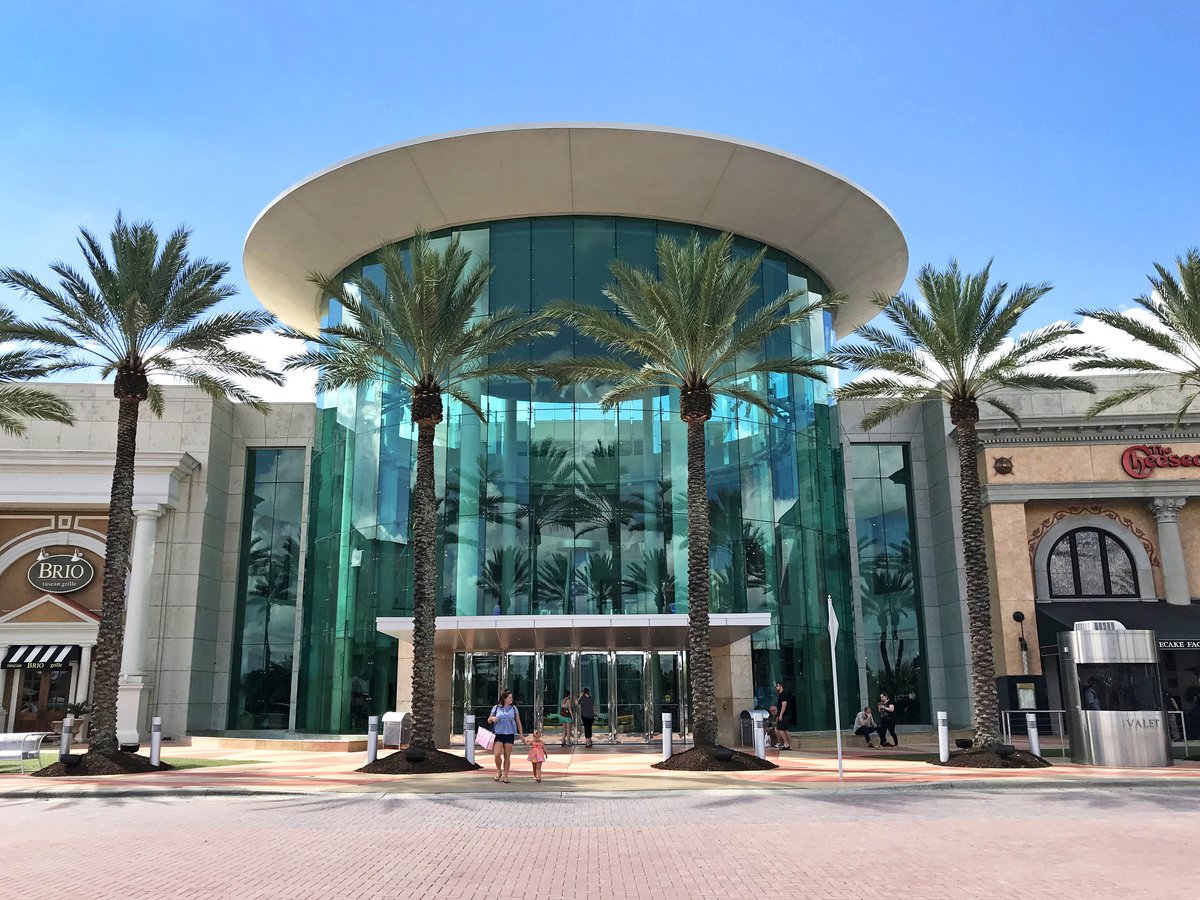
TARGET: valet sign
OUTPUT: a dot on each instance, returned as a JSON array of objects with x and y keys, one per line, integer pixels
[
  {"x": 61, "y": 573},
  {"x": 1140, "y": 460}
]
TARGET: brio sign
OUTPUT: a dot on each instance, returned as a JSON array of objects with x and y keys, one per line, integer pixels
[
  {"x": 61, "y": 573},
  {"x": 1140, "y": 460}
]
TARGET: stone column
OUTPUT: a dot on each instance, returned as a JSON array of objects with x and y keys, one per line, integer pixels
[
  {"x": 1170, "y": 549},
  {"x": 84, "y": 682},
  {"x": 131, "y": 694}
]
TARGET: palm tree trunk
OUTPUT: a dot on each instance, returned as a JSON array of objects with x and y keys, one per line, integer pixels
[
  {"x": 424, "y": 578},
  {"x": 700, "y": 666},
  {"x": 964, "y": 415},
  {"x": 110, "y": 638}
]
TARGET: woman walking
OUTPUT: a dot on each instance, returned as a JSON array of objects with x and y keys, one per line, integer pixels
[
  {"x": 587, "y": 714},
  {"x": 566, "y": 715},
  {"x": 887, "y": 720},
  {"x": 506, "y": 723}
]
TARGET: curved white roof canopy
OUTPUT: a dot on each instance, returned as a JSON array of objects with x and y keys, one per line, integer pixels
[{"x": 339, "y": 215}]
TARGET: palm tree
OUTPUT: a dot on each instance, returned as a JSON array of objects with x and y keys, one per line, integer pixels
[
  {"x": 957, "y": 348},
  {"x": 145, "y": 310},
  {"x": 1173, "y": 305},
  {"x": 688, "y": 329},
  {"x": 418, "y": 329},
  {"x": 18, "y": 402}
]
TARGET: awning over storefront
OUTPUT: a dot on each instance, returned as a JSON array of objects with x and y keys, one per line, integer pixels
[
  {"x": 625, "y": 632},
  {"x": 41, "y": 656},
  {"x": 1177, "y": 627}
]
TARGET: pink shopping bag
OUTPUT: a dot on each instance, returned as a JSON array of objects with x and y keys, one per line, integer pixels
[{"x": 485, "y": 738}]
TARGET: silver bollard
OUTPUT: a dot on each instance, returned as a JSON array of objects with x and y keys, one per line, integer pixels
[
  {"x": 760, "y": 738},
  {"x": 469, "y": 737},
  {"x": 372, "y": 738},
  {"x": 64, "y": 745},
  {"x": 668, "y": 736},
  {"x": 1035, "y": 741},
  {"x": 155, "y": 740},
  {"x": 943, "y": 721}
]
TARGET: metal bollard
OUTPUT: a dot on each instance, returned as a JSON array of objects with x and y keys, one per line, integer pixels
[
  {"x": 64, "y": 745},
  {"x": 668, "y": 736},
  {"x": 943, "y": 720},
  {"x": 155, "y": 740},
  {"x": 469, "y": 737},
  {"x": 1035, "y": 741},
  {"x": 760, "y": 738},
  {"x": 372, "y": 738}
]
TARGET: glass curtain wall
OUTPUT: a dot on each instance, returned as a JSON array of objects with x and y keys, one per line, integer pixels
[
  {"x": 889, "y": 580},
  {"x": 551, "y": 506},
  {"x": 268, "y": 578}
]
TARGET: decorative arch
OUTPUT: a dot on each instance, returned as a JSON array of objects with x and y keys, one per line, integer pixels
[{"x": 1049, "y": 536}]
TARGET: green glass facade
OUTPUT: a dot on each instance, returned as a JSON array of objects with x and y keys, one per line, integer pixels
[
  {"x": 551, "y": 506},
  {"x": 889, "y": 579},
  {"x": 268, "y": 581}
]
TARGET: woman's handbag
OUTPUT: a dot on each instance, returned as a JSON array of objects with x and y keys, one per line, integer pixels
[{"x": 485, "y": 738}]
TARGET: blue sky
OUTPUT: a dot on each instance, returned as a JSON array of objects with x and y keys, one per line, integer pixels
[{"x": 1060, "y": 138}]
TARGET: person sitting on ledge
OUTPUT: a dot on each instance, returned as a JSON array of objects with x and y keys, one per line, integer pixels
[{"x": 864, "y": 726}]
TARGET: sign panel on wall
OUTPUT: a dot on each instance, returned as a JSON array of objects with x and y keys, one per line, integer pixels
[
  {"x": 61, "y": 573},
  {"x": 1140, "y": 460}
]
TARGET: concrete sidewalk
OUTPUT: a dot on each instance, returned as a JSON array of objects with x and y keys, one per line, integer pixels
[{"x": 570, "y": 770}]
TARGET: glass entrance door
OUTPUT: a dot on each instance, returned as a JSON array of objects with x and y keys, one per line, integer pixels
[
  {"x": 521, "y": 679},
  {"x": 667, "y": 692},
  {"x": 556, "y": 684},
  {"x": 629, "y": 695},
  {"x": 482, "y": 676},
  {"x": 594, "y": 675}
]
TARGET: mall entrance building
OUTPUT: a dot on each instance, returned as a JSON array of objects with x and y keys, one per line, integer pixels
[{"x": 561, "y": 543}]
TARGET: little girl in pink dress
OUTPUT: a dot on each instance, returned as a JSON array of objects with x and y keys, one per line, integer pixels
[{"x": 537, "y": 754}]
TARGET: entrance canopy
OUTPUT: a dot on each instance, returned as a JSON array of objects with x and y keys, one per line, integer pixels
[
  {"x": 652, "y": 632},
  {"x": 1172, "y": 624},
  {"x": 54, "y": 656}
]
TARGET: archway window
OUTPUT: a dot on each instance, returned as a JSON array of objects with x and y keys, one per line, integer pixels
[{"x": 1088, "y": 562}]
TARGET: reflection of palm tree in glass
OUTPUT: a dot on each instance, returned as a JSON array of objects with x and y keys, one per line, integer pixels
[
  {"x": 745, "y": 543},
  {"x": 555, "y": 577},
  {"x": 503, "y": 590},
  {"x": 598, "y": 579},
  {"x": 652, "y": 576},
  {"x": 551, "y": 502},
  {"x": 491, "y": 503},
  {"x": 601, "y": 508},
  {"x": 273, "y": 570},
  {"x": 655, "y": 510},
  {"x": 888, "y": 596}
]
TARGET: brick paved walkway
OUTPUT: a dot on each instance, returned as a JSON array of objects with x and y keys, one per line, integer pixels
[
  {"x": 593, "y": 770},
  {"x": 1065, "y": 843}
]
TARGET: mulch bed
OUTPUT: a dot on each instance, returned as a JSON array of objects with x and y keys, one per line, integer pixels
[
  {"x": 435, "y": 761},
  {"x": 979, "y": 758},
  {"x": 116, "y": 762},
  {"x": 701, "y": 759}
]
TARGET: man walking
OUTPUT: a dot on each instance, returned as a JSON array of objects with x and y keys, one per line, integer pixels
[{"x": 786, "y": 701}]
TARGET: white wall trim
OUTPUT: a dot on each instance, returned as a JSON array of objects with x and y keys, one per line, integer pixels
[{"x": 83, "y": 478}]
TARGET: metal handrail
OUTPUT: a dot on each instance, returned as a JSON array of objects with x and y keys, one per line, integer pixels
[
  {"x": 1061, "y": 714},
  {"x": 1006, "y": 724}
]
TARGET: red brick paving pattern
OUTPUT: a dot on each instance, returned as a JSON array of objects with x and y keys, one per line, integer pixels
[{"x": 1094, "y": 843}]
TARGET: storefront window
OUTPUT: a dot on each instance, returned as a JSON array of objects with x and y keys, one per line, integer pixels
[
  {"x": 889, "y": 581},
  {"x": 268, "y": 579}
]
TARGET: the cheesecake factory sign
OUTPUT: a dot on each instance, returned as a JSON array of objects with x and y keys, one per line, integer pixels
[{"x": 1140, "y": 460}]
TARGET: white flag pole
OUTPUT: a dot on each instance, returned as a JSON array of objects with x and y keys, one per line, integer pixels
[{"x": 837, "y": 707}]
